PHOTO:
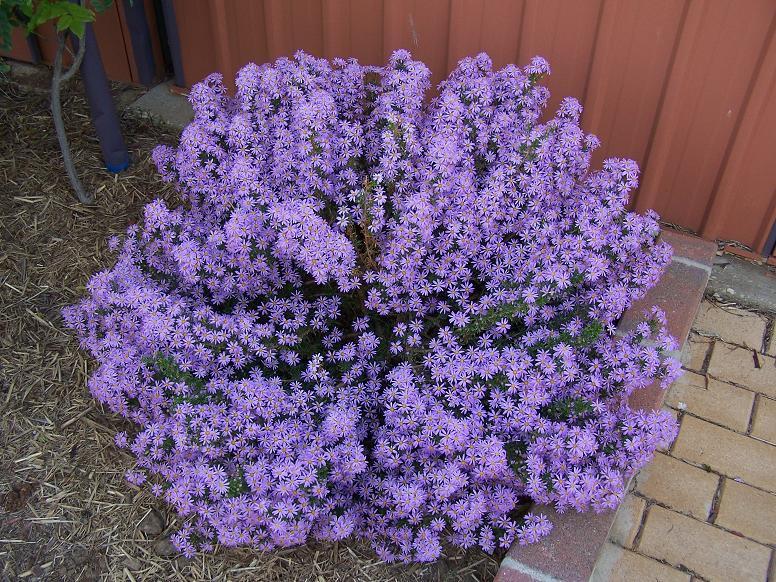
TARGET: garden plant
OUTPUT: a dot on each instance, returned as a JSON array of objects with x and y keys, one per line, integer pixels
[{"x": 381, "y": 314}]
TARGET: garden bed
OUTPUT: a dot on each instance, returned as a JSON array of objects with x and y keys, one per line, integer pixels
[{"x": 66, "y": 511}]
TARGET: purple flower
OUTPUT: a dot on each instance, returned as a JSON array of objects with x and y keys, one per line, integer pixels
[{"x": 379, "y": 314}]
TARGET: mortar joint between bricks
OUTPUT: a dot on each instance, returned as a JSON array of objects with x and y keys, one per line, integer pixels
[
  {"x": 769, "y": 325},
  {"x": 640, "y": 531},
  {"x": 755, "y": 406},
  {"x": 679, "y": 422},
  {"x": 707, "y": 358},
  {"x": 716, "y": 500}
]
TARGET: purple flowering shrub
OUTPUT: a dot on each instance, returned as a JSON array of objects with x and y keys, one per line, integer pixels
[{"x": 381, "y": 317}]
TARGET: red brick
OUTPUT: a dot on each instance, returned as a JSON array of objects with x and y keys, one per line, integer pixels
[
  {"x": 570, "y": 551},
  {"x": 690, "y": 246},
  {"x": 678, "y": 294},
  {"x": 648, "y": 398},
  {"x": 506, "y": 573},
  {"x": 743, "y": 253}
]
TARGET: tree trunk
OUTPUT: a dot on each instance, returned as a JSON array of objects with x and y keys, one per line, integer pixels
[{"x": 59, "y": 78}]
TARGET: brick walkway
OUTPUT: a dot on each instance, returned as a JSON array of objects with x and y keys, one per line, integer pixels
[{"x": 706, "y": 508}]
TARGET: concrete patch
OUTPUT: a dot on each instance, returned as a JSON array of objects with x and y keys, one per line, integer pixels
[
  {"x": 160, "y": 104},
  {"x": 744, "y": 283}
]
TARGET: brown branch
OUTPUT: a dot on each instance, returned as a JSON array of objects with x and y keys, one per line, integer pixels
[{"x": 58, "y": 79}]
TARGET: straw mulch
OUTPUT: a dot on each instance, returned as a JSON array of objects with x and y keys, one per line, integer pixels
[{"x": 66, "y": 512}]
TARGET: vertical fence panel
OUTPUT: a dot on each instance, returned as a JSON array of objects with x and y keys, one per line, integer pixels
[
  {"x": 707, "y": 90},
  {"x": 493, "y": 27},
  {"x": 423, "y": 27},
  {"x": 366, "y": 34},
  {"x": 337, "y": 27},
  {"x": 196, "y": 38},
  {"x": 739, "y": 208},
  {"x": 679, "y": 85},
  {"x": 564, "y": 33},
  {"x": 635, "y": 47},
  {"x": 110, "y": 36}
]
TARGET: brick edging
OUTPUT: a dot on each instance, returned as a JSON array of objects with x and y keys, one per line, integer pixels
[{"x": 570, "y": 552}]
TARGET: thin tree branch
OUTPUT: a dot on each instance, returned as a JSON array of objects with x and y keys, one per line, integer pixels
[
  {"x": 58, "y": 78},
  {"x": 79, "y": 58}
]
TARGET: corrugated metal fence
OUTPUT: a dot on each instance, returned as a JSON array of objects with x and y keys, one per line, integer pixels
[
  {"x": 112, "y": 34},
  {"x": 685, "y": 87}
]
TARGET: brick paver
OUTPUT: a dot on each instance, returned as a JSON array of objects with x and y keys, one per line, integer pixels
[
  {"x": 627, "y": 521},
  {"x": 731, "y": 325},
  {"x": 695, "y": 351},
  {"x": 764, "y": 425},
  {"x": 737, "y": 365},
  {"x": 705, "y": 509},
  {"x": 707, "y": 550},
  {"x": 748, "y": 511},
  {"x": 727, "y": 452},
  {"x": 618, "y": 565},
  {"x": 678, "y": 485},
  {"x": 712, "y": 399}
]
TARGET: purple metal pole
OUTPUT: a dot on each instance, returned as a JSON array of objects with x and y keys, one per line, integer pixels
[
  {"x": 101, "y": 107},
  {"x": 137, "y": 23},
  {"x": 173, "y": 41}
]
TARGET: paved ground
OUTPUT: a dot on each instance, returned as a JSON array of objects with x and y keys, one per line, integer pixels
[{"x": 706, "y": 508}]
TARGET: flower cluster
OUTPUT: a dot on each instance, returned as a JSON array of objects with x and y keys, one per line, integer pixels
[{"x": 380, "y": 315}]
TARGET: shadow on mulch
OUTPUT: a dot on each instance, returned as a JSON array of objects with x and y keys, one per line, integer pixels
[{"x": 67, "y": 513}]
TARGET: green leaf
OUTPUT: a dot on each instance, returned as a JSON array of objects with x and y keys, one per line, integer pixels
[
  {"x": 78, "y": 28},
  {"x": 237, "y": 485},
  {"x": 64, "y": 23},
  {"x": 79, "y": 12},
  {"x": 102, "y": 5},
  {"x": 26, "y": 8}
]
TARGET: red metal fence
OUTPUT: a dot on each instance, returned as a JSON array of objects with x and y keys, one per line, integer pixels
[
  {"x": 685, "y": 87},
  {"x": 112, "y": 34}
]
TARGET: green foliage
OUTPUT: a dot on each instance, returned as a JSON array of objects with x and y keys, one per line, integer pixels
[
  {"x": 590, "y": 334},
  {"x": 65, "y": 15},
  {"x": 102, "y": 5},
  {"x": 488, "y": 319},
  {"x": 567, "y": 409},
  {"x": 237, "y": 485},
  {"x": 10, "y": 15},
  {"x": 167, "y": 368},
  {"x": 30, "y": 14}
]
